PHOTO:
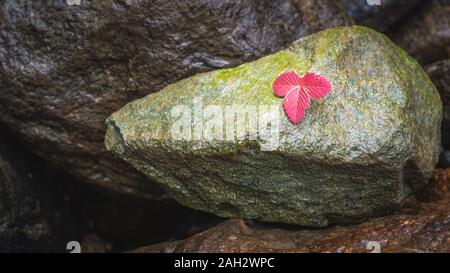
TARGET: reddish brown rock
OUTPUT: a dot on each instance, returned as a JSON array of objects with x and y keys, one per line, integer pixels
[
  {"x": 425, "y": 34},
  {"x": 65, "y": 69},
  {"x": 421, "y": 226}
]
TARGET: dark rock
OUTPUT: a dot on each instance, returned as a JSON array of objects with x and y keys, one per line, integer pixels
[
  {"x": 30, "y": 218},
  {"x": 425, "y": 34},
  {"x": 380, "y": 17},
  {"x": 439, "y": 73},
  {"x": 39, "y": 200},
  {"x": 438, "y": 188},
  {"x": 444, "y": 159},
  {"x": 64, "y": 69},
  {"x": 418, "y": 227},
  {"x": 114, "y": 221},
  {"x": 356, "y": 154}
]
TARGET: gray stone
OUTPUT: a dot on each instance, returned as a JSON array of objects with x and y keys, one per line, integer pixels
[{"x": 357, "y": 153}]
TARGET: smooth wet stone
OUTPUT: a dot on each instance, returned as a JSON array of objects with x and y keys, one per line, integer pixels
[
  {"x": 380, "y": 17},
  {"x": 356, "y": 154},
  {"x": 421, "y": 226},
  {"x": 65, "y": 69},
  {"x": 425, "y": 33}
]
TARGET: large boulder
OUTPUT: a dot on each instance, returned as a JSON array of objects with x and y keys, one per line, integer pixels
[
  {"x": 356, "y": 154},
  {"x": 65, "y": 69},
  {"x": 425, "y": 34}
]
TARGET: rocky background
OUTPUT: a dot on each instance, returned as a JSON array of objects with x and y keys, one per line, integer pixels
[{"x": 65, "y": 69}]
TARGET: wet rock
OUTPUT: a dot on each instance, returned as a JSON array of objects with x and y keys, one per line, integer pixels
[
  {"x": 30, "y": 218},
  {"x": 425, "y": 34},
  {"x": 380, "y": 17},
  {"x": 357, "y": 153},
  {"x": 65, "y": 69},
  {"x": 439, "y": 73},
  {"x": 418, "y": 227}
]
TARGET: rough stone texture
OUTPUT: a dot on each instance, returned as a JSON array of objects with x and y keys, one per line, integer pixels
[
  {"x": 356, "y": 154},
  {"x": 379, "y": 17},
  {"x": 30, "y": 220},
  {"x": 439, "y": 73},
  {"x": 65, "y": 69},
  {"x": 425, "y": 34},
  {"x": 418, "y": 227}
]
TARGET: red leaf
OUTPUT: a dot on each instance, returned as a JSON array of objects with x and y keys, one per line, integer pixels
[
  {"x": 295, "y": 103},
  {"x": 286, "y": 82},
  {"x": 315, "y": 85},
  {"x": 298, "y": 91}
]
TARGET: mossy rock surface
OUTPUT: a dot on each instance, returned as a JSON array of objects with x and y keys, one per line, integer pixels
[{"x": 356, "y": 154}]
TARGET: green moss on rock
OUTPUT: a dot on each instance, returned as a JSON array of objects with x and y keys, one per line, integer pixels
[{"x": 356, "y": 154}]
